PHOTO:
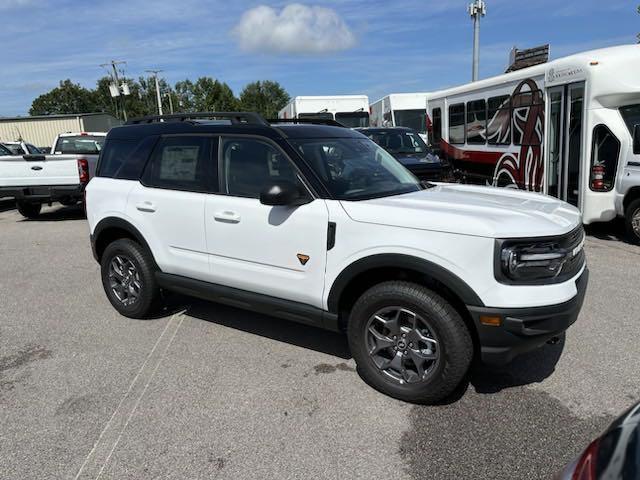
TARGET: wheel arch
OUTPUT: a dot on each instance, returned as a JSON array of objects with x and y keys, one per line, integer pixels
[
  {"x": 632, "y": 194},
  {"x": 110, "y": 229}
]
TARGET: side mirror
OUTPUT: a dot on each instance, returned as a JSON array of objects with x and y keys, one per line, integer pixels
[
  {"x": 281, "y": 194},
  {"x": 636, "y": 139}
]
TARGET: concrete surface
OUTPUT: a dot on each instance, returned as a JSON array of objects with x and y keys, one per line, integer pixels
[{"x": 208, "y": 391}]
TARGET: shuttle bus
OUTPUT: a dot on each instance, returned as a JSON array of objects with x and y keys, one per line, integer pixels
[
  {"x": 350, "y": 110},
  {"x": 569, "y": 128},
  {"x": 401, "y": 110}
]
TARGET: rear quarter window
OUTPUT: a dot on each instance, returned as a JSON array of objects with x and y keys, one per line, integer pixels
[{"x": 125, "y": 159}]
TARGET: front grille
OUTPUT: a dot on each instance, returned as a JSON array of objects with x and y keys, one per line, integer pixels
[{"x": 570, "y": 242}]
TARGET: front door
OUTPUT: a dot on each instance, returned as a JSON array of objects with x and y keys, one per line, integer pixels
[
  {"x": 278, "y": 251},
  {"x": 564, "y": 142}
]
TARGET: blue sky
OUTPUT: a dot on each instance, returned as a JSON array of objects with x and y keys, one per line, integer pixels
[{"x": 358, "y": 46}]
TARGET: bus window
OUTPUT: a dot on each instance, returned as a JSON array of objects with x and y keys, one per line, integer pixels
[
  {"x": 521, "y": 105},
  {"x": 456, "y": 123},
  {"x": 499, "y": 120},
  {"x": 631, "y": 115},
  {"x": 436, "y": 135},
  {"x": 476, "y": 122},
  {"x": 604, "y": 159},
  {"x": 413, "y": 119}
]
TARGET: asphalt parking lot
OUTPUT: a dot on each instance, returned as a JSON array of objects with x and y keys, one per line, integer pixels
[{"x": 207, "y": 391}]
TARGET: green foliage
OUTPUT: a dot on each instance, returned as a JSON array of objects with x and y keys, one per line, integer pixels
[
  {"x": 68, "y": 97},
  {"x": 266, "y": 98},
  {"x": 206, "y": 94}
]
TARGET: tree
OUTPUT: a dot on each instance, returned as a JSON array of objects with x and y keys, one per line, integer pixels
[
  {"x": 68, "y": 97},
  {"x": 266, "y": 97}
]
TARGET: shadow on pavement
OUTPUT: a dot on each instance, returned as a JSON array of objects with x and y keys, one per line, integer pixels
[
  {"x": 59, "y": 214},
  {"x": 611, "y": 231},
  {"x": 293, "y": 333},
  {"x": 6, "y": 205}
]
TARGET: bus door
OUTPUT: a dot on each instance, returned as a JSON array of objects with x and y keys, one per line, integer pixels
[{"x": 564, "y": 142}]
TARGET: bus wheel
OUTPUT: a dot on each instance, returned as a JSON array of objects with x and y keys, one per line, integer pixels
[{"x": 632, "y": 218}]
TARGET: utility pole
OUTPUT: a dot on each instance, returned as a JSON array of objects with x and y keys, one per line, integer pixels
[
  {"x": 155, "y": 75},
  {"x": 117, "y": 88},
  {"x": 477, "y": 9}
]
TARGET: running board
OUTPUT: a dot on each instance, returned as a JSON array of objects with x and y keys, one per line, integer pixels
[{"x": 255, "y": 302}]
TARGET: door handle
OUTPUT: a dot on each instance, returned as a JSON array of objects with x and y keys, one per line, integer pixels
[
  {"x": 146, "y": 207},
  {"x": 226, "y": 217}
]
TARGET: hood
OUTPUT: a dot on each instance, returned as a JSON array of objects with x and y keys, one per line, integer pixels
[
  {"x": 416, "y": 158},
  {"x": 470, "y": 210}
]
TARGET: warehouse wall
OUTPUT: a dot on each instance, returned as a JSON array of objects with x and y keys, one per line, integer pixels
[{"x": 39, "y": 132}]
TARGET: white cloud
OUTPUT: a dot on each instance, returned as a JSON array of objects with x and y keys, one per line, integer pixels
[{"x": 296, "y": 29}]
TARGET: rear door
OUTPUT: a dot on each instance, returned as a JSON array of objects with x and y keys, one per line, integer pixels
[
  {"x": 278, "y": 251},
  {"x": 168, "y": 204}
]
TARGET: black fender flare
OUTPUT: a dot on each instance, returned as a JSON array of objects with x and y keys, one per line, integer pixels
[
  {"x": 408, "y": 262},
  {"x": 119, "y": 223}
]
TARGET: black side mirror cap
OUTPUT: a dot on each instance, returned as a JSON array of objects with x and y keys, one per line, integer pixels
[
  {"x": 636, "y": 139},
  {"x": 282, "y": 194}
]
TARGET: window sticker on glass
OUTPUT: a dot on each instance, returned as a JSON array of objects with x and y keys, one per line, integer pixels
[{"x": 179, "y": 163}]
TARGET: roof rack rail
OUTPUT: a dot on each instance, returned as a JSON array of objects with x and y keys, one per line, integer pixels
[
  {"x": 236, "y": 118},
  {"x": 313, "y": 121}
]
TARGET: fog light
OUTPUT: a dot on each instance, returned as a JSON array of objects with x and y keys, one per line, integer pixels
[{"x": 490, "y": 321}]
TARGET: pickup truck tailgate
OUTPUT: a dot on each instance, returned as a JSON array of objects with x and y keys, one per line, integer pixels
[{"x": 34, "y": 170}]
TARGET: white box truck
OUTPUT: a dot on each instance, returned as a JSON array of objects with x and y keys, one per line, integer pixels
[
  {"x": 401, "y": 110},
  {"x": 350, "y": 110}
]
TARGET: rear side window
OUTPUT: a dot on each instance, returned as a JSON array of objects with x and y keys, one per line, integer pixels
[
  {"x": 456, "y": 123},
  {"x": 183, "y": 163},
  {"x": 499, "y": 120},
  {"x": 124, "y": 159}
]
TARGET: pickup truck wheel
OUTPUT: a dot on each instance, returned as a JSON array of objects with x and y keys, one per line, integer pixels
[
  {"x": 128, "y": 278},
  {"x": 409, "y": 343},
  {"x": 29, "y": 209},
  {"x": 632, "y": 218}
]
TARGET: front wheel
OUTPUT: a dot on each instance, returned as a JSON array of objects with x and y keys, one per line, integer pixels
[
  {"x": 632, "y": 220},
  {"x": 409, "y": 343},
  {"x": 128, "y": 278},
  {"x": 29, "y": 209}
]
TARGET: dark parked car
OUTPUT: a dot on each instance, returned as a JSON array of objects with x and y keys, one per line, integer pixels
[
  {"x": 615, "y": 455},
  {"x": 409, "y": 149}
]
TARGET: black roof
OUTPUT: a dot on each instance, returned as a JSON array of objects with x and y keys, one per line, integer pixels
[{"x": 135, "y": 131}]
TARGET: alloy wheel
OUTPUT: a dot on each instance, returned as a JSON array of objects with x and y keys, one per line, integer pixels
[
  {"x": 402, "y": 345},
  {"x": 124, "y": 280}
]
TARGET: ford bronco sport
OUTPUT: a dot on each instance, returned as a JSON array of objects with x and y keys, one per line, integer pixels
[{"x": 317, "y": 224}]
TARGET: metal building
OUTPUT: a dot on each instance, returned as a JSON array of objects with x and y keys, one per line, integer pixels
[{"x": 42, "y": 130}]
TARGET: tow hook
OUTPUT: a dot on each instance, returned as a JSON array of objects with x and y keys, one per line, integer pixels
[{"x": 553, "y": 340}]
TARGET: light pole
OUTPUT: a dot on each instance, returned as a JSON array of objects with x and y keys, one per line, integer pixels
[
  {"x": 168, "y": 95},
  {"x": 477, "y": 9},
  {"x": 155, "y": 75},
  {"x": 116, "y": 88}
]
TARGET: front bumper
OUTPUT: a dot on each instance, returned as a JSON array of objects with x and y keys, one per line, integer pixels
[{"x": 524, "y": 329}]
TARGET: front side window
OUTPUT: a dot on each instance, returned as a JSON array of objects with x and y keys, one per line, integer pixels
[
  {"x": 456, "y": 123},
  {"x": 182, "y": 163},
  {"x": 413, "y": 119},
  {"x": 15, "y": 149},
  {"x": 355, "y": 168},
  {"x": 4, "y": 151},
  {"x": 631, "y": 116},
  {"x": 604, "y": 161},
  {"x": 476, "y": 122},
  {"x": 79, "y": 145},
  {"x": 251, "y": 166},
  {"x": 353, "y": 119},
  {"x": 33, "y": 150}
]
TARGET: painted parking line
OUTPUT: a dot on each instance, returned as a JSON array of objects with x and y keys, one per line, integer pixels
[{"x": 100, "y": 455}]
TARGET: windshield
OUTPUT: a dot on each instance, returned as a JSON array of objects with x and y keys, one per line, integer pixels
[
  {"x": 320, "y": 115},
  {"x": 356, "y": 168},
  {"x": 81, "y": 144},
  {"x": 353, "y": 119},
  {"x": 4, "y": 151},
  {"x": 413, "y": 119},
  {"x": 631, "y": 115},
  {"x": 398, "y": 141}
]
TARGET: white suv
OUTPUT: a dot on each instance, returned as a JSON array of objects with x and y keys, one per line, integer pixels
[{"x": 317, "y": 224}]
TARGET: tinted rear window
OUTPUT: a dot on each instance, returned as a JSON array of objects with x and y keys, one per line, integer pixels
[
  {"x": 125, "y": 159},
  {"x": 79, "y": 145}
]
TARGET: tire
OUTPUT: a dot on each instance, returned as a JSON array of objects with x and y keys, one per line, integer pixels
[
  {"x": 29, "y": 209},
  {"x": 448, "y": 339},
  {"x": 632, "y": 217},
  {"x": 137, "y": 293}
]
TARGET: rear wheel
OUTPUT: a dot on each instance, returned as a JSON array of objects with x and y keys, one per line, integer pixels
[
  {"x": 409, "y": 343},
  {"x": 128, "y": 278},
  {"x": 29, "y": 209},
  {"x": 632, "y": 218}
]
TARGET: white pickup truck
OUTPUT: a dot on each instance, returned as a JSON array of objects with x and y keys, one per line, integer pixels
[{"x": 61, "y": 176}]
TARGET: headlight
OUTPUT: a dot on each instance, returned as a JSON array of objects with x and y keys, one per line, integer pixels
[{"x": 549, "y": 260}]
